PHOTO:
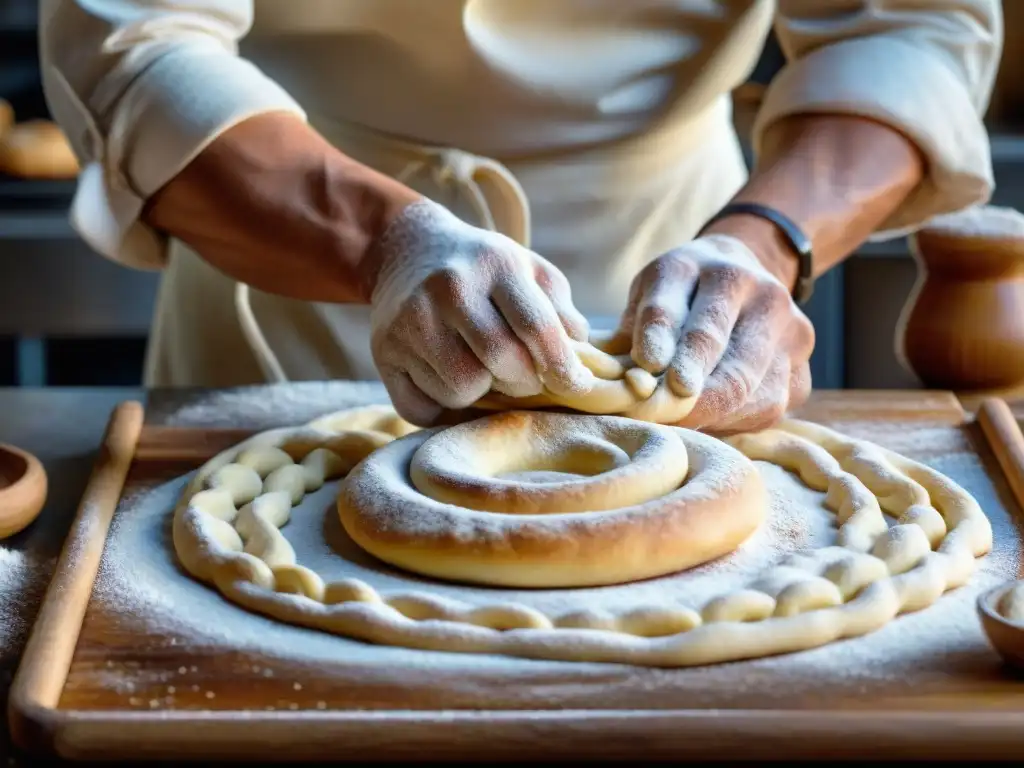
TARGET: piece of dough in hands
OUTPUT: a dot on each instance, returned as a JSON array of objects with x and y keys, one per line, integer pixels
[{"x": 622, "y": 388}]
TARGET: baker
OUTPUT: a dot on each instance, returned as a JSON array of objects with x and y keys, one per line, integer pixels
[{"x": 447, "y": 194}]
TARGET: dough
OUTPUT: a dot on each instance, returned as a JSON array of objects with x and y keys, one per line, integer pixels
[
  {"x": 37, "y": 149},
  {"x": 1011, "y": 604},
  {"x": 609, "y": 504},
  {"x": 622, "y": 389},
  {"x": 226, "y": 533}
]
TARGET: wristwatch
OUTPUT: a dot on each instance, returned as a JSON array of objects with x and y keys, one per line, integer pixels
[{"x": 798, "y": 241}]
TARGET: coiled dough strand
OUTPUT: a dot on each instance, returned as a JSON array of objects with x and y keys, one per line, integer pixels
[{"x": 227, "y": 533}]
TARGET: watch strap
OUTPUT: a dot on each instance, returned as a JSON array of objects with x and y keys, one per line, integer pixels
[{"x": 798, "y": 241}]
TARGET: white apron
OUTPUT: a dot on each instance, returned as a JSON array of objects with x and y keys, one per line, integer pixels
[{"x": 598, "y": 213}]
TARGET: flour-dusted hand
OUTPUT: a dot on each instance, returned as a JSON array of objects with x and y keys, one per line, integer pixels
[
  {"x": 458, "y": 311},
  {"x": 719, "y": 325}
]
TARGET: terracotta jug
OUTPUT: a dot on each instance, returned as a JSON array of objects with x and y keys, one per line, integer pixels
[{"x": 962, "y": 327}]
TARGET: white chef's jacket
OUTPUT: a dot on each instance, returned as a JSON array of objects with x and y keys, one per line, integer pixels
[{"x": 597, "y": 131}]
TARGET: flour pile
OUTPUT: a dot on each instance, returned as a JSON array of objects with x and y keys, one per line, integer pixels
[{"x": 23, "y": 579}]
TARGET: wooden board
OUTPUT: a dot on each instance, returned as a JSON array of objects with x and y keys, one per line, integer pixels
[{"x": 69, "y": 697}]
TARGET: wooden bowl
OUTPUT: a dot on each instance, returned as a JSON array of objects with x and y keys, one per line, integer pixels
[
  {"x": 1006, "y": 637},
  {"x": 22, "y": 489}
]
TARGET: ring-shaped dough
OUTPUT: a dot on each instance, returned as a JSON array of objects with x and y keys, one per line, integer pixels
[
  {"x": 670, "y": 527},
  {"x": 227, "y": 523},
  {"x": 523, "y": 463}
]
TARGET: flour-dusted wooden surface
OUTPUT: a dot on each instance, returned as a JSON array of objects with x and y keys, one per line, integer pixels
[
  {"x": 928, "y": 683},
  {"x": 63, "y": 427}
]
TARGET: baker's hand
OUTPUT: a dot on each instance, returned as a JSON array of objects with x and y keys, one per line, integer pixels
[
  {"x": 457, "y": 311},
  {"x": 720, "y": 325}
]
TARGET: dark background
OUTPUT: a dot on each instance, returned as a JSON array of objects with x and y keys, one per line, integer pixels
[{"x": 69, "y": 360}]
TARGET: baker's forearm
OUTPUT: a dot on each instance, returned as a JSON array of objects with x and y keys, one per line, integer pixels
[
  {"x": 273, "y": 204},
  {"x": 838, "y": 177}
]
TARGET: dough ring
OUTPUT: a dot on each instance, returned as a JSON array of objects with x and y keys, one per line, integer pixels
[
  {"x": 226, "y": 533},
  {"x": 531, "y": 499},
  {"x": 621, "y": 388}
]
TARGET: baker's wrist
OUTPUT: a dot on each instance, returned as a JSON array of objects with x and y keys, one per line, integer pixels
[
  {"x": 766, "y": 242},
  {"x": 374, "y": 204}
]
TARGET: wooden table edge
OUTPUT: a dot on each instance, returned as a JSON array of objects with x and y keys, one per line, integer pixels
[{"x": 732, "y": 734}]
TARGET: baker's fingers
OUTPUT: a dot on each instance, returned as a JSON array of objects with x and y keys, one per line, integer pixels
[
  {"x": 408, "y": 400},
  {"x": 465, "y": 378},
  {"x": 491, "y": 339},
  {"x": 753, "y": 345},
  {"x": 708, "y": 327},
  {"x": 765, "y": 408},
  {"x": 800, "y": 385},
  {"x": 662, "y": 305},
  {"x": 800, "y": 335},
  {"x": 421, "y": 332},
  {"x": 623, "y": 334},
  {"x": 439, "y": 388},
  {"x": 533, "y": 319},
  {"x": 556, "y": 287}
]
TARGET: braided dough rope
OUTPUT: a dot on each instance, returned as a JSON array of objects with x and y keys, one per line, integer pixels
[
  {"x": 226, "y": 533},
  {"x": 621, "y": 388},
  {"x": 273, "y": 470}
]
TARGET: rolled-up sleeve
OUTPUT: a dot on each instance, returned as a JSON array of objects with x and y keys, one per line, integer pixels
[
  {"x": 924, "y": 68},
  {"x": 140, "y": 87}
]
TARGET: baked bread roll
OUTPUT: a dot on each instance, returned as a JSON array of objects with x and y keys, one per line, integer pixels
[
  {"x": 6, "y": 116},
  {"x": 37, "y": 149}
]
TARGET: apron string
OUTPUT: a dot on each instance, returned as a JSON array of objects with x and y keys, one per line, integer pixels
[
  {"x": 253, "y": 334},
  {"x": 495, "y": 195},
  {"x": 492, "y": 191}
]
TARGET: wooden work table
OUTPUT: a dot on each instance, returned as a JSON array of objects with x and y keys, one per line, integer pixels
[{"x": 64, "y": 428}]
